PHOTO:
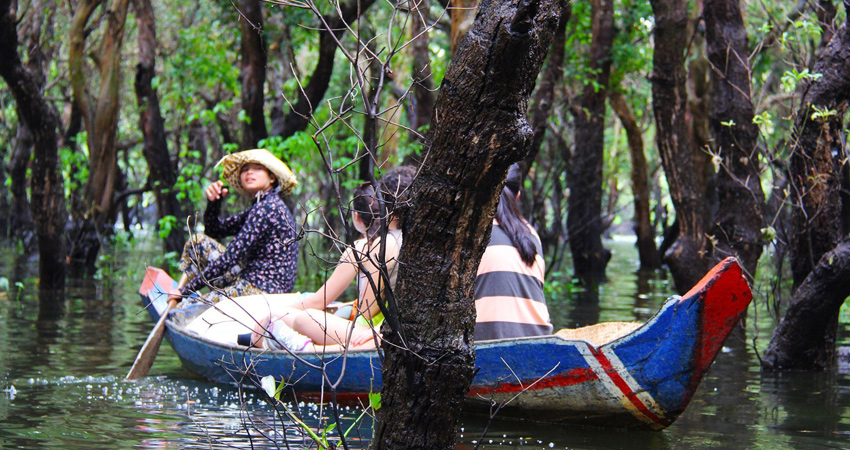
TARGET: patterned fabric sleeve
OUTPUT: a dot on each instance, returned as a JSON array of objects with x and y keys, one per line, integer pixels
[
  {"x": 255, "y": 225},
  {"x": 218, "y": 228}
]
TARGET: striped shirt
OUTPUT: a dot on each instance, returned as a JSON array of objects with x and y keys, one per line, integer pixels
[{"x": 509, "y": 298}]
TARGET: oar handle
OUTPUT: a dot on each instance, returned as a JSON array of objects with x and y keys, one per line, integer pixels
[{"x": 148, "y": 352}]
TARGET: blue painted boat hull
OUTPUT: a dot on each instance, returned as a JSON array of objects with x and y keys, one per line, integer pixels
[{"x": 643, "y": 379}]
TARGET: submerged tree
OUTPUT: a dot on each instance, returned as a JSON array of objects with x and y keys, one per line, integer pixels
[
  {"x": 48, "y": 196},
  {"x": 737, "y": 223},
  {"x": 479, "y": 128},
  {"x": 820, "y": 256},
  {"x": 584, "y": 218}
]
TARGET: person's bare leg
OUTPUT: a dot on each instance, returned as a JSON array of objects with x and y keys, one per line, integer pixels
[{"x": 329, "y": 330}]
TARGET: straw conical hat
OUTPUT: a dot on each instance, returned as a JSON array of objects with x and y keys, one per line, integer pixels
[{"x": 232, "y": 167}]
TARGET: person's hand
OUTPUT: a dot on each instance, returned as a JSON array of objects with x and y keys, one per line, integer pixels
[
  {"x": 362, "y": 335},
  {"x": 216, "y": 191},
  {"x": 176, "y": 297}
]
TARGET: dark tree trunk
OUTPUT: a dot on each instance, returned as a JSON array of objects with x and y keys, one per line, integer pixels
[
  {"x": 47, "y": 186},
  {"x": 155, "y": 147},
  {"x": 253, "y": 73},
  {"x": 826, "y": 12},
  {"x": 372, "y": 90},
  {"x": 817, "y": 152},
  {"x": 20, "y": 220},
  {"x": 685, "y": 257},
  {"x": 806, "y": 337},
  {"x": 481, "y": 130},
  {"x": 308, "y": 98},
  {"x": 739, "y": 219},
  {"x": 647, "y": 251},
  {"x": 544, "y": 97},
  {"x": 423, "y": 81},
  {"x": 584, "y": 174}
]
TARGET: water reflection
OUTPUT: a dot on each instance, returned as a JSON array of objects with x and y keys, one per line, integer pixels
[{"x": 61, "y": 381}]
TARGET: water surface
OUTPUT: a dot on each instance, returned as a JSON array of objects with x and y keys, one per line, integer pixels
[{"x": 61, "y": 381}]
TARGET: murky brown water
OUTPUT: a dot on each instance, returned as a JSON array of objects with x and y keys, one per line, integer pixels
[{"x": 61, "y": 382}]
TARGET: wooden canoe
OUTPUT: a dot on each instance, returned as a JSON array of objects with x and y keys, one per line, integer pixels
[{"x": 643, "y": 379}]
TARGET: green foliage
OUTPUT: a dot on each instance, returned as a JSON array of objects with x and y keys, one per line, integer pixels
[
  {"x": 791, "y": 78},
  {"x": 166, "y": 225},
  {"x": 555, "y": 285},
  {"x": 107, "y": 264},
  {"x": 75, "y": 164}
]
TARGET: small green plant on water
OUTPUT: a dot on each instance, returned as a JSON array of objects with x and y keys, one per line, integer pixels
[
  {"x": 274, "y": 390},
  {"x": 107, "y": 263},
  {"x": 556, "y": 287}
]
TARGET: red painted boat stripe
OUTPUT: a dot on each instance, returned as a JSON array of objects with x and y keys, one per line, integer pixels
[
  {"x": 627, "y": 391},
  {"x": 575, "y": 376}
]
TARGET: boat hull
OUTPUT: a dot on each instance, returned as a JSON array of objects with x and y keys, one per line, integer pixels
[{"x": 643, "y": 379}]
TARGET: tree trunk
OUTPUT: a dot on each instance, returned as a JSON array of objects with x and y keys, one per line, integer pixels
[
  {"x": 545, "y": 95},
  {"x": 155, "y": 146},
  {"x": 253, "y": 74},
  {"x": 20, "y": 220},
  {"x": 423, "y": 80},
  {"x": 685, "y": 257},
  {"x": 462, "y": 15},
  {"x": 313, "y": 92},
  {"x": 47, "y": 186},
  {"x": 479, "y": 129},
  {"x": 737, "y": 224},
  {"x": 100, "y": 116},
  {"x": 584, "y": 174},
  {"x": 806, "y": 337},
  {"x": 647, "y": 251},
  {"x": 817, "y": 152}
]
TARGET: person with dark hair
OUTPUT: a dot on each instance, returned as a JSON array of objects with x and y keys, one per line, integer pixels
[
  {"x": 314, "y": 329},
  {"x": 509, "y": 300},
  {"x": 262, "y": 257}
]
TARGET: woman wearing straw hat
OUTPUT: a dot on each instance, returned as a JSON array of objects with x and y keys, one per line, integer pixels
[{"x": 262, "y": 257}]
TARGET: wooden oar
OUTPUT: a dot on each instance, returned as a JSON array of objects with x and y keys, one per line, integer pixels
[{"x": 148, "y": 352}]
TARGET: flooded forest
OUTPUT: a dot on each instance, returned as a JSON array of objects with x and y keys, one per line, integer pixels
[{"x": 653, "y": 140}]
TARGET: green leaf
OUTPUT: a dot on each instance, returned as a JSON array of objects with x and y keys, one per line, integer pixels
[{"x": 375, "y": 400}]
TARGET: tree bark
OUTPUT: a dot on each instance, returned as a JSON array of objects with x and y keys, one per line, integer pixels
[
  {"x": 737, "y": 224},
  {"x": 423, "y": 81},
  {"x": 462, "y": 15},
  {"x": 47, "y": 186},
  {"x": 584, "y": 174},
  {"x": 20, "y": 220},
  {"x": 479, "y": 128},
  {"x": 100, "y": 116},
  {"x": 647, "y": 251},
  {"x": 685, "y": 257},
  {"x": 299, "y": 117},
  {"x": 805, "y": 338},
  {"x": 155, "y": 146},
  {"x": 253, "y": 73},
  {"x": 544, "y": 97},
  {"x": 816, "y": 155}
]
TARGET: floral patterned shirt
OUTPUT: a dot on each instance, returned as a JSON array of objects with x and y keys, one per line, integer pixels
[{"x": 264, "y": 245}]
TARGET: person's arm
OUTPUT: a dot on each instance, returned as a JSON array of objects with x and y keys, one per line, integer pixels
[
  {"x": 256, "y": 225},
  {"x": 342, "y": 276},
  {"x": 214, "y": 226}
]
